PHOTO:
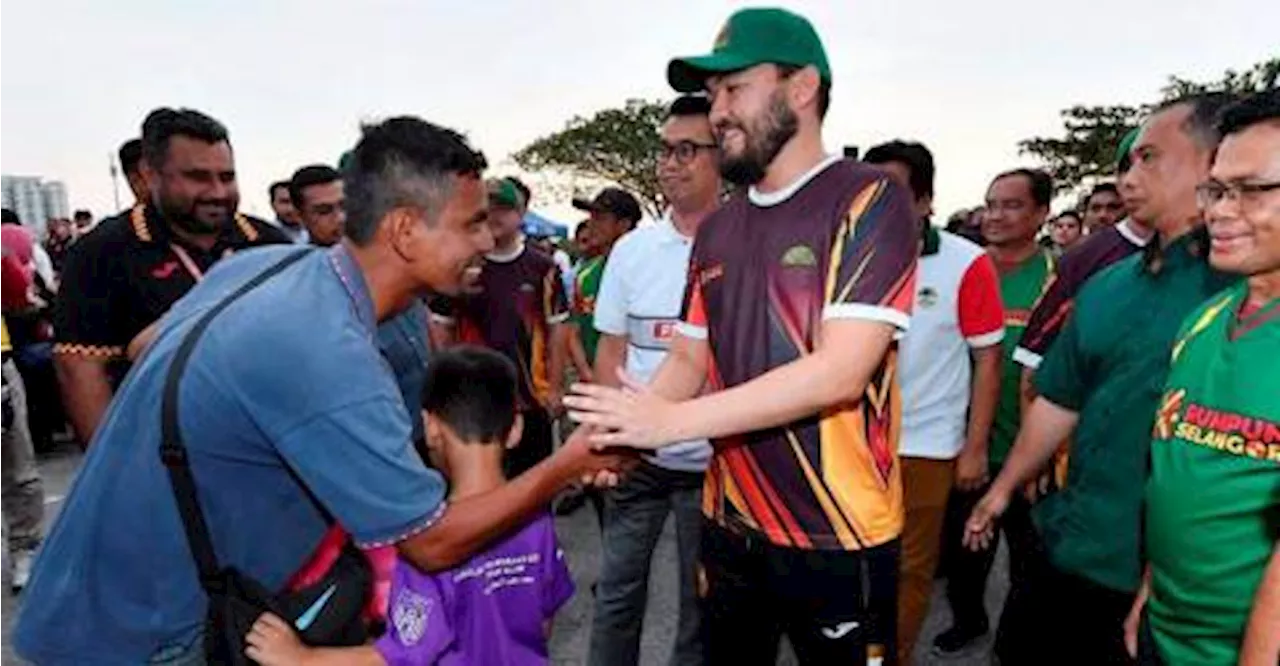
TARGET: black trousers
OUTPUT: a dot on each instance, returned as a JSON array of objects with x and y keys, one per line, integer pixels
[
  {"x": 1050, "y": 617},
  {"x": 836, "y": 607},
  {"x": 535, "y": 444}
]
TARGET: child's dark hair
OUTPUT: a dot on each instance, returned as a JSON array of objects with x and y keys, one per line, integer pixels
[{"x": 473, "y": 391}]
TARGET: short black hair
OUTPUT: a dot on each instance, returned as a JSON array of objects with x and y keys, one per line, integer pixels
[
  {"x": 1253, "y": 110},
  {"x": 7, "y": 216},
  {"x": 403, "y": 161},
  {"x": 130, "y": 155},
  {"x": 165, "y": 123},
  {"x": 1102, "y": 188},
  {"x": 824, "y": 88},
  {"x": 314, "y": 174},
  {"x": 1202, "y": 123},
  {"x": 271, "y": 191},
  {"x": 82, "y": 214},
  {"x": 1040, "y": 181},
  {"x": 689, "y": 105},
  {"x": 526, "y": 194},
  {"x": 473, "y": 391},
  {"x": 1068, "y": 213},
  {"x": 916, "y": 157}
]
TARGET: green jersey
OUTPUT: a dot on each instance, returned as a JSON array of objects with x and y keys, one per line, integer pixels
[
  {"x": 586, "y": 287},
  {"x": 1213, "y": 500},
  {"x": 1020, "y": 288}
]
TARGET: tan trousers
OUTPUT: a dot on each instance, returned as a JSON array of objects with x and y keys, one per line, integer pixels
[{"x": 926, "y": 485}]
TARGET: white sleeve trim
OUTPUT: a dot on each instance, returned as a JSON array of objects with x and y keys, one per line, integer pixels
[
  {"x": 1027, "y": 358},
  {"x": 986, "y": 339},
  {"x": 558, "y": 319},
  {"x": 879, "y": 313},
  {"x": 690, "y": 331}
]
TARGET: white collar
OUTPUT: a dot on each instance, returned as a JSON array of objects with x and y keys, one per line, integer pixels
[
  {"x": 509, "y": 256},
  {"x": 766, "y": 199},
  {"x": 668, "y": 228},
  {"x": 1125, "y": 228}
]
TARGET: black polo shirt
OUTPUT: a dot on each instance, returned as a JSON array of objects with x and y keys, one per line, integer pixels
[{"x": 127, "y": 272}]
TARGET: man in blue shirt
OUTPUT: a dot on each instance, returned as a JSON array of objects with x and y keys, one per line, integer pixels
[{"x": 289, "y": 414}]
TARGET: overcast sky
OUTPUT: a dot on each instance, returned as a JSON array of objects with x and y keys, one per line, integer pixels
[{"x": 292, "y": 80}]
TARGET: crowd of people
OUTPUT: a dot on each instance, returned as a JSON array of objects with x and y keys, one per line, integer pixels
[{"x": 335, "y": 436}]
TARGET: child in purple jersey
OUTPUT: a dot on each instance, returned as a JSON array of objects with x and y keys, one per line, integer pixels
[{"x": 495, "y": 608}]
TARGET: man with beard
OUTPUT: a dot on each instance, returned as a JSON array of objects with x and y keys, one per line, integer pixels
[
  {"x": 286, "y": 214},
  {"x": 1103, "y": 208},
  {"x": 1101, "y": 384},
  {"x": 124, "y": 275},
  {"x": 798, "y": 286}
]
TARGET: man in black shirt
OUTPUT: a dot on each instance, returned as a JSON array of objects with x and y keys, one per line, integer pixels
[{"x": 122, "y": 276}]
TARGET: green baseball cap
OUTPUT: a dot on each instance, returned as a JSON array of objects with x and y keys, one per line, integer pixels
[
  {"x": 753, "y": 37},
  {"x": 1126, "y": 145},
  {"x": 503, "y": 192}
]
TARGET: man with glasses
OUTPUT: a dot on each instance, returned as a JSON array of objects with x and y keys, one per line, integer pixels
[
  {"x": 636, "y": 313},
  {"x": 1102, "y": 381},
  {"x": 1017, "y": 206},
  {"x": 1213, "y": 500}
]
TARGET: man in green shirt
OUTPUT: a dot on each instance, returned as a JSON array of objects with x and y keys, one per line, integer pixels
[
  {"x": 1213, "y": 500},
  {"x": 1017, "y": 205},
  {"x": 1102, "y": 380}
]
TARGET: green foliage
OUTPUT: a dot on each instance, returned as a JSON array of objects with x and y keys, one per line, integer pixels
[
  {"x": 1086, "y": 150},
  {"x": 616, "y": 145}
]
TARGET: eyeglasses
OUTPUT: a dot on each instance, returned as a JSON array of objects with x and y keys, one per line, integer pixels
[
  {"x": 1211, "y": 193},
  {"x": 684, "y": 151}
]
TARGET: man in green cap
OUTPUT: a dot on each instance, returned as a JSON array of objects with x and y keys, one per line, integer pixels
[
  {"x": 813, "y": 257},
  {"x": 1101, "y": 383}
]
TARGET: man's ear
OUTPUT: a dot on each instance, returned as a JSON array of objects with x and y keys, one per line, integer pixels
[
  {"x": 434, "y": 430},
  {"x": 517, "y": 431},
  {"x": 400, "y": 227},
  {"x": 803, "y": 87},
  {"x": 150, "y": 177}
]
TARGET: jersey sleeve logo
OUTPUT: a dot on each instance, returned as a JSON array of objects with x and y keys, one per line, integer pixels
[
  {"x": 927, "y": 297},
  {"x": 1167, "y": 415}
]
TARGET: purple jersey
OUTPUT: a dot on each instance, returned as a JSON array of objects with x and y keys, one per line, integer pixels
[{"x": 489, "y": 610}]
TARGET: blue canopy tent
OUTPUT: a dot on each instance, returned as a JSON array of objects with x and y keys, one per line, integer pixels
[{"x": 538, "y": 226}]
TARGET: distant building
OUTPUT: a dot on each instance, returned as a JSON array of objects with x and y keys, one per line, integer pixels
[{"x": 34, "y": 200}]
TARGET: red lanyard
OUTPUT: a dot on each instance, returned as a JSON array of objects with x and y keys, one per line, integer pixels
[{"x": 189, "y": 264}]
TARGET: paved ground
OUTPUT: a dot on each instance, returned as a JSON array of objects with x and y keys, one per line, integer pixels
[{"x": 580, "y": 539}]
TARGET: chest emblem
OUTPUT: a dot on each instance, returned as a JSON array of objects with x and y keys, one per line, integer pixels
[
  {"x": 927, "y": 297},
  {"x": 799, "y": 256},
  {"x": 410, "y": 616}
]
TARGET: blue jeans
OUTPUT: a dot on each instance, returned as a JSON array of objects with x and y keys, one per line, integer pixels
[{"x": 634, "y": 514}]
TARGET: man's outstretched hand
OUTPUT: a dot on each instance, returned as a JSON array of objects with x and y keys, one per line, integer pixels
[
  {"x": 632, "y": 416},
  {"x": 602, "y": 467}
]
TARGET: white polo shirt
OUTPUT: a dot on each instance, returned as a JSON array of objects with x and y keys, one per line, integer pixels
[
  {"x": 957, "y": 308},
  {"x": 641, "y": 296}
]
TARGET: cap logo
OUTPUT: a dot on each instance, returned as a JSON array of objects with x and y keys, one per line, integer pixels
[{"x": 722, "y": 39}]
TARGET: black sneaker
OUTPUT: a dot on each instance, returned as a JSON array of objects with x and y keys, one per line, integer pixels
[{"x": 958, "y": 640}]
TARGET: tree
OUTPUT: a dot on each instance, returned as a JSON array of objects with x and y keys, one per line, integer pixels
[
  {"x": 616, "y": 145},
  {"x": 1086, "y": 151}
]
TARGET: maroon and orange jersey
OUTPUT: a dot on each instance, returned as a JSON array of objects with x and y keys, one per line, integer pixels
[
  {"x": 766, "y": 271},
  {"x": 519, "y": 299}
]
